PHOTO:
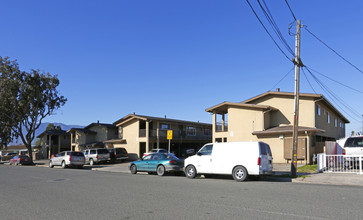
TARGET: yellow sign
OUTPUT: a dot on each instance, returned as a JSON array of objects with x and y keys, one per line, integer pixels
[{"x": 169, "y": 135}]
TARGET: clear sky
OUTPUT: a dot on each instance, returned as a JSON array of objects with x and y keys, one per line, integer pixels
[{"x": 179, "y": 57}]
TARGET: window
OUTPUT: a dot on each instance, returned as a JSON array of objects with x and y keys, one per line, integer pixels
[
  {"x": 336, "y": 122},
  {"x": 165, "y": 126},
  {"x": 218, "y": 140},
  {"x": 191, "y": 131},
  {"x": 207, "y": 131},
  {"x": 328, "y": 118},
  {"x": 318, "y": 109},
  {"x": 207, "y": 150},
  {"x": 156, "y": 157},
  {"x": 148, "y": 157},
  {"x": 224, "y": 139}
]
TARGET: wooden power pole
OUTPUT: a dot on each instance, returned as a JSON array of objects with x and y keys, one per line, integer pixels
[{"x": 298, "y": 64}]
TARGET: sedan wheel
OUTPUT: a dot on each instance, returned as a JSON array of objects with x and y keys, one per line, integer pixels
[
  {"x": 160, "y": 170},
  {"x": 63, "y": 165},
  {"x": 133, "y": 169},
  {"x": 190, "y": 171}
]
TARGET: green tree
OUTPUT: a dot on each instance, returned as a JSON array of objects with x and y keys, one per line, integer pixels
[
  {"x": 26, "y": 98},
  {"x": 49, "y": 127}
]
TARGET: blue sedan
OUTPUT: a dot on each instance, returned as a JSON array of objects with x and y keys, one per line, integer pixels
[{"x": 157, "y": 163}]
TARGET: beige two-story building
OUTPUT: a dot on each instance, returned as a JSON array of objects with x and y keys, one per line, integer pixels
[
  {"x": 269, "y": 118},
  {"x": 92, "y": 136},
  {"x": 53, "y": 142},
  {"x": 139, "y": 134}
]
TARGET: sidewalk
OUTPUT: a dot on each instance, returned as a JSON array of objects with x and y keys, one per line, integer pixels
[
  {"x": 343, "y": 179},
  {"x": 279, "y": 170}
]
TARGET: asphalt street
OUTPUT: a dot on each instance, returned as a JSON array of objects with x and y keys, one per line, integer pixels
[{"x": 29, "y": 192}]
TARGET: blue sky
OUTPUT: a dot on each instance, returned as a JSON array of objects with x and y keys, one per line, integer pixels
[{"x": 179, "y": 57}]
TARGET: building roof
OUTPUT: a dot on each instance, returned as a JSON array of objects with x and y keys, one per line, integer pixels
[
  {"x": 86, "y": 131},
  {"x": 316, "y": 97},
  {"x": 222, "y": 108},
  {"x": 100, "y": 124},
  {"x": 52, "y": 132},
  {"x": 115, "y": 141},
  {"x": 286, "y": 130},
  {"x": 130, "y": 117}
]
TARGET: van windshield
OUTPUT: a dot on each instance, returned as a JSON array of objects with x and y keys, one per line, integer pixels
[{"x": 207, "y": 150}]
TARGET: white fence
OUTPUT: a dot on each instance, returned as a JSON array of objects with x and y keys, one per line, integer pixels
[{"x": 340, "y": 163}]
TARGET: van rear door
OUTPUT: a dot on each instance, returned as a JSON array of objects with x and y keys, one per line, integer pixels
[{"x": 265, "y": 158}]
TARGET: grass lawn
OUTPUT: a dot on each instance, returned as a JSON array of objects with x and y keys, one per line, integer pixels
[{"x": 308, "y": 169}]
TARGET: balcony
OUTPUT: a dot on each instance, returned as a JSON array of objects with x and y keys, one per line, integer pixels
[
  {"x": 219, "y": 127},
  {"x": 199, "y": 135}
]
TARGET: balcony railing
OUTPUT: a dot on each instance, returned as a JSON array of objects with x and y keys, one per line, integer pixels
[
  {"x": 219, "y": 127},
  {"x": 176, "y": 134}
]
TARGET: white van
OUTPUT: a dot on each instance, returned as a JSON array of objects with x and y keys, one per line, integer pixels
[{"x": 239, "y": 159}]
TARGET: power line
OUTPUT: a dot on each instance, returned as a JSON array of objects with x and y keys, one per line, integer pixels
[
  {"x": 267, "y": 31},
  {"x": 290, "y": 10},
  {"x": 333, "y": 50},
  {"x": 282, "y": 78},
  {"x": 311, "y": 86},
  {"x": 274, "y": 26},
  {"x": 335, "y": 80},
  {"x": 336, "y": 99}
]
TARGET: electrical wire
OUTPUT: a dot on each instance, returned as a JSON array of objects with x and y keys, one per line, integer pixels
[
  {"x": 267, "y": 30},
  {"x": 290, "y": 10},
  {"x": 274, "y": 26},
  {"x": 311, "y": 86},
  {"x": 353, "y": 114},
  {"x": 282, "y": 79},
  {"x": 335, "y": 80},
  {"x": 332, "y": 49}
]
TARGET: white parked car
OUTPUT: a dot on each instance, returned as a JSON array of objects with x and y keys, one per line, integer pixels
[
  {"x": 239, "y": 159},
  {"x": 353, "y": 148},
  {"x": 67, "y": 158},
  {"x": 158, "y": 150}
]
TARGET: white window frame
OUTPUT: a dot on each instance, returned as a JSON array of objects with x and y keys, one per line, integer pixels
[{"x": 192, "y": 130}]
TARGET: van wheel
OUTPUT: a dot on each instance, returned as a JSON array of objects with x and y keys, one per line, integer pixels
[
  {"x": 160, "y": 170},
  {"x": 133, "y": 169},
  {"x": 190, "y": 171},
  {"x": 91, "y": 163},
  {"x": 239, "y": 173}
]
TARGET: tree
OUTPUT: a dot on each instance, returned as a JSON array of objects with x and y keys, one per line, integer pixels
[
  {"x": 49, "y": 127},
  {"x": 26, "y": 98}
]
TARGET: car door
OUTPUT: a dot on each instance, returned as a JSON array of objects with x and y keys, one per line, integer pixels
[
  {"x": 154, "y": 162},
  {"x": 144, "y": 164},
  {"x": 56, "y": 159},
  {"x": 86, "y": 155},
  {"x": 204, "y": 162}
]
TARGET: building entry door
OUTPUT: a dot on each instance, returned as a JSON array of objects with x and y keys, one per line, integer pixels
[
  {"x": 142, "y": 149},
  {"x": 301, "y": 148}
]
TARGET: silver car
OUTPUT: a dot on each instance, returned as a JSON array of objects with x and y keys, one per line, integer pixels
[
  {"x": 97, "y": 155},
  {"x": 68, "y": 158}
]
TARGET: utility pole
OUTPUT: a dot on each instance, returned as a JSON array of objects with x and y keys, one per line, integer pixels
[{"x": 295, "y": 132}]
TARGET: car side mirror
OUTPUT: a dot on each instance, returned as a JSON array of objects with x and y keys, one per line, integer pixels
[{"x": 199, "y": 154}]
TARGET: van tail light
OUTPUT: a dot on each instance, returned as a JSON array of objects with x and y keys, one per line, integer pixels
[
  {"x": 97, "y": 157},
  {"x": 259, "y": 161},
  {"x": 343, "y": 151},
  {"x": 172, "y": 162},
  {"x": 70, "y": 157}
]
